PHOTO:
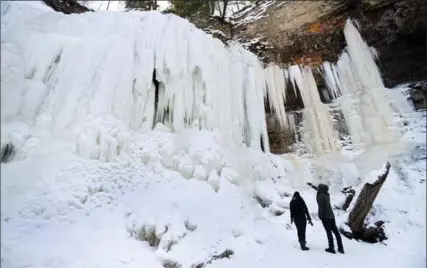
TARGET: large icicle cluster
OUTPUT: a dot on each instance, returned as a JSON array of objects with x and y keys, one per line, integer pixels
[
  {"x": 355, "y": 83},
  {"x": 318, "y": 132},
  {"x": 88, "y": 79},
  {"x": 276, "y": 92}
]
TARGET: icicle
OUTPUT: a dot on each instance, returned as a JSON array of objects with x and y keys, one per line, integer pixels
[
  {"x": 361, "y": 58},
  {"x": 276, "y": 88},
  {"x": 291, "y": 123},
  {"x": 374, "y": 53},
  {"x": 318, "y": 135},
  {"x": 330, "y": 80}
]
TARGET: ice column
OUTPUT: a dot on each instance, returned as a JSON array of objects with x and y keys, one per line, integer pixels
[
  {"x": 318, "y": 133},
  {"x": 276, "y": 92},
  {"x": 356, "y": 83}
]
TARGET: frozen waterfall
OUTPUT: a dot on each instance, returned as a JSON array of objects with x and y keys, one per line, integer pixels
[
  {"x": 96, "y": 79},
  {"x": 355, "y": 84},
  {"x": 92, "y": 79},
  {"x": 318, "y": 132}
]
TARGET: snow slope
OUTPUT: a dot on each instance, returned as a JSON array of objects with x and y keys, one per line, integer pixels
[
  {"x": 85, "y": 213},
  {"x": 171, "y": 198}
]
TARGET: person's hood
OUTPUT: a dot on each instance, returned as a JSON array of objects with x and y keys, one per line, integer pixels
[
  {"x": 322, "y": 188},
  {"x": 296, "y": 196}
]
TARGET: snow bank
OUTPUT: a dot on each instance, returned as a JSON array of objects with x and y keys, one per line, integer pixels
[{"x": 143, "y": 210}]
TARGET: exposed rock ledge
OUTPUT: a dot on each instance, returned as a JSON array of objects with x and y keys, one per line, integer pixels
[{"x": 310, "y": 32}]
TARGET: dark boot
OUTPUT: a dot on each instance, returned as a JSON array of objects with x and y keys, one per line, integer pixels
[
  {"x": 303, "y": 247},
  {"x": 341, "y": 250},
  {"x": 330, "y": 250}
]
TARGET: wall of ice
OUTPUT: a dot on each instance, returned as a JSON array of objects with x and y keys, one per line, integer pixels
[
  {"x": 355, "y": 84},
  {"x": 91, "y": 81},
  {"x": 362, "y": 105},
  {"x": 87, "y": 79}
]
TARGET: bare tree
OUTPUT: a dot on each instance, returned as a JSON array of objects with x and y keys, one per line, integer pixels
[{"x": 364, "y": 203}]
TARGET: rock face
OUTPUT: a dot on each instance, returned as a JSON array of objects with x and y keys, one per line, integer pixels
[{"x": 310, "y": 32}]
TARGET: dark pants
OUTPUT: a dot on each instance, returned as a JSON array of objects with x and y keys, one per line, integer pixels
[
  {"x": 331, "y": 227},
  {"x": 301, "y": 225}
]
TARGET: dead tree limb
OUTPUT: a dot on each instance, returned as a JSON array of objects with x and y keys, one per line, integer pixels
[
  {"x": 349, "y": 193},
  {"x": 362, "y": 207},
  {"x": 6, "y": 152}
]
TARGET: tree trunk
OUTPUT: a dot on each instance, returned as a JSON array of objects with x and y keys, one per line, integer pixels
[
  {"x": 224, "y": 10},
  {"x": 364, "y": 204},
  {"x": 218, "y": 6},
  {"x": 108, "y": 5}
]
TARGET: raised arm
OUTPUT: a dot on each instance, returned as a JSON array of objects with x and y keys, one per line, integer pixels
[{"x": 312, "y": 186}]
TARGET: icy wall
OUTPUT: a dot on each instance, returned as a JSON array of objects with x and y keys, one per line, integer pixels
[
  {"x": 366, "y": 109},
  {"x": 356, "y": 85},
  {"x": 92, "y": 79}
]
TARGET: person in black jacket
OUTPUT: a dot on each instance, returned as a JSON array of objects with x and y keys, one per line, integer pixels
[{"x": 300, "y": 215}]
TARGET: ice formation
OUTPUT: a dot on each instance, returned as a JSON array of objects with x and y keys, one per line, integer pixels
[
  {"x": 355, "y": 83},
  {"x": 89, "y": 80},
  {"x": 318, "y": 133},
  {"x": 69, "y": 78},
  {"x": 276, "y": 92}
]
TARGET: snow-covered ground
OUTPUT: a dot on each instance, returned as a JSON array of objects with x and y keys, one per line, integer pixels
[
  {"x": 174, "y": 199},
  {"x": 196, "y": 197}
]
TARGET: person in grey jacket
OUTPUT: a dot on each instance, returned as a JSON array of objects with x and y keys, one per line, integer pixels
[{"x": 327, "y": 217}]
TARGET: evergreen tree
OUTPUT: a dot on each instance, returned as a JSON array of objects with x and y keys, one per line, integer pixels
[
  {"x": 141, "y": 4},
  {"x": 189, "y": 8}
]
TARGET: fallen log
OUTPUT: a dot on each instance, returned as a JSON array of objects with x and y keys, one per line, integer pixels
[{"x": 363, "y": 205}]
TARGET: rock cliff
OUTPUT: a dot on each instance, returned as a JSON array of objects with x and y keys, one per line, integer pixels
[{"x": 310, "y": 32}]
